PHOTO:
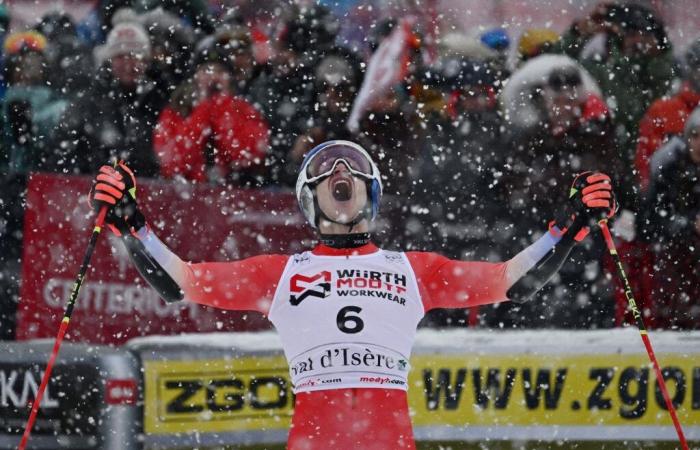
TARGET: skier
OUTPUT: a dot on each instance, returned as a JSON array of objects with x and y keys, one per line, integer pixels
[{"x": 347, "y": 310}]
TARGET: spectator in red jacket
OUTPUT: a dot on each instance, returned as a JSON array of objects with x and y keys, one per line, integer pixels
[
  {"x": 666, "y": 117},
  {"x": 207, "y": 133}
]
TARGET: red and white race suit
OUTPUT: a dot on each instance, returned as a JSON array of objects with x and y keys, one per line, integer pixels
[{"x": 347, "y": 320}]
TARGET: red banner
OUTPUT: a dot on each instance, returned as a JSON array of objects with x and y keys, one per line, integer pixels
[{"x": 197, "y": 222}]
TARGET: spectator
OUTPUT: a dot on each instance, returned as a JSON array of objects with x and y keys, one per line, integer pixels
[
  {"x": 30, "y": 113},
  {"x": 463, "y": 154},
  {"x": 461, "y": 161},
  {"x": 674, "y": 228},
  {"x": 284, "y": 89},
  {"x": 31, "y": 109},
  {"x": 497, "y": 39},
  {"x": 69, "y": 60},
  {"x": 390, "y": 130},
  {"x": 391, "y": 120},
  {"x": 207, "y": 133},
  {"x": 236, "y": 48},
  {"x": 489, "y": 50},
  {"x": 666, "y": 117},
  {"x": 338, "y": 78},
  {"x": 172, "y": 45},
  {"x": 573, "y": 136},
  {"x": 636, "y": 65},
  {"x": 116, "y": 116}
]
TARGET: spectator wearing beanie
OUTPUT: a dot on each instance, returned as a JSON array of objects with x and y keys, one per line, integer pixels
[
  {"x": 31, "y": 109},
  {"x": 116, "y": 116},
  {"x": 207, "y": 133}
]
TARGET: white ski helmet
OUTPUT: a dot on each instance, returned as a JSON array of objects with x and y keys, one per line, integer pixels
[{"x": 320, "y": 163}]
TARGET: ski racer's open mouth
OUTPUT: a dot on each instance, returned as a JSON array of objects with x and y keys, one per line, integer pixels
[{"x": 341, "y": 187}]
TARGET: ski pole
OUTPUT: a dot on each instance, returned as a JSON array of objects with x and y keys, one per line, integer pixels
[
  {"x": 64, "y": 325},
  {"x": 642, "y": 330}
]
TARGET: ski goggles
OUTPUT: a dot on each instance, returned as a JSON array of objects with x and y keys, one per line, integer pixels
[{"x": 325, "y": 161}]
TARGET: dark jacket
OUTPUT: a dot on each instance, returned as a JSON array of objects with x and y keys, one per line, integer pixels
[
  {"x": 628, "y": 83},
  {"x": 538, "y": 171},
  {"x": 672, "y": 210},
  {"x": 109, "y": 121},
  {"x": 286, "y": 104},
  {"x": 30, "y": 118},
  {"x": 673, "y": 197},
  {"x": 541, "y": 166},
  {"x": 457, "y": 186}
]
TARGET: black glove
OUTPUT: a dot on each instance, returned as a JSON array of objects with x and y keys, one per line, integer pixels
[
  {"x": 591, "y": 199},
  {"x": 115, "y": 188}
]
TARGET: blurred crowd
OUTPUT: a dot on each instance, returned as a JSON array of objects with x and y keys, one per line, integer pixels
[{"x": 478, "y": 138}]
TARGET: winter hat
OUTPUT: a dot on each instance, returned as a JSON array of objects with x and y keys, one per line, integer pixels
[
  {"x": 124, "y": 15},
  {"x": 219, "y": 48},
  {"x": 496, "y": 39},
  {"x": 459, "y": 45},
  {"x": 533, "y": 41},
  {"x": 26, "y": 41},
  {"x": 125, "y": 37},
  {"x": 164, "y": 26}
]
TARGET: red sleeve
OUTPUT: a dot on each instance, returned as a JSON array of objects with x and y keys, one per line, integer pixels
[
  {"x": 447, "y": 283},
  {"x": 245, "y": 285}
]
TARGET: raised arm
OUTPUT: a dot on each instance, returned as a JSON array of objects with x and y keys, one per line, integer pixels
[
  {"x": 446, "y": 283},
  {"x": 248, "y": 284}
]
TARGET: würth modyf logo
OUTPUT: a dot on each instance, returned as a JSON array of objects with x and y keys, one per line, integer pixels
[{"x": 301, "y": 286}]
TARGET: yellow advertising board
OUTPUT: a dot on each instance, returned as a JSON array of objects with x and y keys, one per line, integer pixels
[
  {"x": 546, "y": 389},
  {"x": 251, "y": 393},
  {"x": 254, "y": 393}
]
